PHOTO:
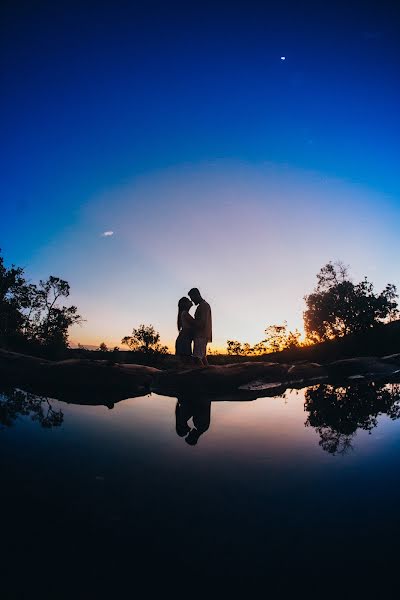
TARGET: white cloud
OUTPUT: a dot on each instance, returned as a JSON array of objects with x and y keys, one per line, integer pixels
[{"x": 107, "y": 234}]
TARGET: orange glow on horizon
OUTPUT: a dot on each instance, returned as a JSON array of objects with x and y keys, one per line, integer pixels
[{"x": 251, "y": 237}]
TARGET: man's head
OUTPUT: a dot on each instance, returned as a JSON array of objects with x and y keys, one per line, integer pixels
[{"x": 195, "y": 295}]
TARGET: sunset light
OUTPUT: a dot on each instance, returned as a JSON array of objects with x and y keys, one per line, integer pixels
[{"x": 199, "y": 298}]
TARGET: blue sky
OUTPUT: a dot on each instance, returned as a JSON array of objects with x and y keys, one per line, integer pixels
[{"x": 110, "y": 110}]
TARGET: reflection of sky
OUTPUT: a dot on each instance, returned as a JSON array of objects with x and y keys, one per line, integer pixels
[
  {"x": 214, "y": 162},
  {"x": 267, "y": 433},
  {"x": 257, "y": 491}
]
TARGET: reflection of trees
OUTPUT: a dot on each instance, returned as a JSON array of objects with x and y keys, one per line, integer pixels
[
  {"x": 15, "y": 403},
  {"x": 337, "y": 412}
]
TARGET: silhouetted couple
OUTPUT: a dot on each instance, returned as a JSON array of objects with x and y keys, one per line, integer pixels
[{"x": 197, "y": 330}]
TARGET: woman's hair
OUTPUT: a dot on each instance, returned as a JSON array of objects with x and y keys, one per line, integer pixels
[{"x": 183, "y": 304}]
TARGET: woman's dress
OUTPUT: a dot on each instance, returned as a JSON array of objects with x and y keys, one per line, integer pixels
[{"x": 183, "y": 344}]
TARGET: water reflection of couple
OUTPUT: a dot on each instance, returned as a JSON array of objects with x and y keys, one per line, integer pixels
[
  {"x": 197, "y": 330},
  {"x": 197, "y": 409}
]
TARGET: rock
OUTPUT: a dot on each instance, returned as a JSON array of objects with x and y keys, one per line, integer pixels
[
  {"x": 392, "y": 359},
  {"x": 306, "y": 371},
  {"x": 258, "y": 385},
  {"x": 368, "y": 366},
  {"x": 79, "y": 381},
  {"x": 99, "y": 372},
  {"x": 213, "y": 379},
  {"x": 13, "y": 364},
  {"x": 85, "y": 381}
]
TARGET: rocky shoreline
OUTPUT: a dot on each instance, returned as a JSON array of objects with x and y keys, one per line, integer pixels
[{"x": 86, "y": 381}]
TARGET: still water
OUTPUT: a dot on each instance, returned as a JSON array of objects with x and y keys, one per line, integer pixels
[{"x": 243, "y": 489}]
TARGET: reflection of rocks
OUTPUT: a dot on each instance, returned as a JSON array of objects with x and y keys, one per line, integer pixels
[
  {"x": 103, "y": 372},
  {"x": 100, "y": 382},
  {"x": 214, "y": 379},
  {"x": 263, "y": 378},
  {"x": 294, "y": 376},
  {"x": 259, "y": 385},
  {"x": 80, "y": 381}
]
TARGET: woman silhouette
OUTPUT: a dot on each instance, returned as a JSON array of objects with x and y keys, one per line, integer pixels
[{"x": 183, "y": 344}]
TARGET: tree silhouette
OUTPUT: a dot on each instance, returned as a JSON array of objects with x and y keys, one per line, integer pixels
[
  {"x": 103, "y": 347},
  {"x": 53, "y": 320},
  {"x": 145, "y": 339},
  {"x": 32, "y": 313},
  {"x": 277, "y": 338},
  {"x": 235, "y": 348},
  {"x": 338, "y": 307},
  {"x": 13, "y": 298}
]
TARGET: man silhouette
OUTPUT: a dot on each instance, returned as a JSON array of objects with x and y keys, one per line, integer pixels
[{"x": 202, "y": 327}]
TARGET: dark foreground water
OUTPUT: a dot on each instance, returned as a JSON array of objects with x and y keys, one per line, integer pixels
[{"x": 305, "y": 484}]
